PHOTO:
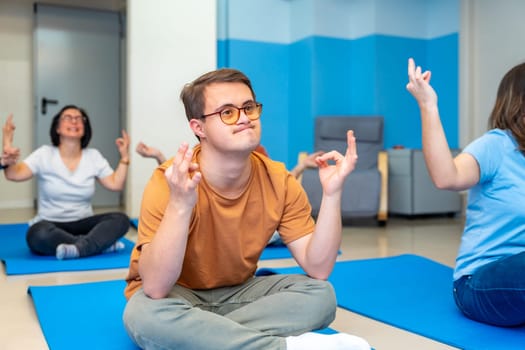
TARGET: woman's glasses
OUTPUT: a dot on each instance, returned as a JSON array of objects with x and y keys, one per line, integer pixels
[{"x": 73, "y": 118}]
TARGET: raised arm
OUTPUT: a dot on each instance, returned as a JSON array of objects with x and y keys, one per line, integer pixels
[
  {"x": 117, "y": 180},
  {"x": 316, "y": 253},
  {"x": 449, "y": 173},
  {"x": 161, "y": 260},
  {"x": 15, "y": 171},
  {"x": 150, "y": 152},
  {"x": 9, "y": 154},
  {"x": 307, "y": 162}
]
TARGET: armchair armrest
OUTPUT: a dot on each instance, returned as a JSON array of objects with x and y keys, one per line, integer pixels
[
  {"x": 300, "y": 160},
  {"x": 382, "y": 166}
]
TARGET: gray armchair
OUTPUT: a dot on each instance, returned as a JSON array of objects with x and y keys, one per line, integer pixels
[{"x": 365, "y": 190}]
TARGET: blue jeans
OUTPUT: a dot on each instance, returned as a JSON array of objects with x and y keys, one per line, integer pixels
[
  {"x": 257, "y": 314},
  {"x": 495, "y": 293},
  {"x": 91, "y": 235}
]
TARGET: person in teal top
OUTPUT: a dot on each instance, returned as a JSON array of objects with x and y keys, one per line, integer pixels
[{"x": 489, "y": 277}]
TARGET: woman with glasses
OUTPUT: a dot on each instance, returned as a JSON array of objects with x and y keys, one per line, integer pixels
[
  {"x": 65, "y": 225},
  {"x": 489, "y": 277},
  {"x": 206, "y": 216}
]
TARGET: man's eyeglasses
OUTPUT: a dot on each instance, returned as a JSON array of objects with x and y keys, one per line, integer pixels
[
  {"x": 231, "y": 114},
  {"x": 73, "y": 118}
]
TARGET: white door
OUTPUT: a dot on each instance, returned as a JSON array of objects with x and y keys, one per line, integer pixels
[{"x": 76, "y": 57}]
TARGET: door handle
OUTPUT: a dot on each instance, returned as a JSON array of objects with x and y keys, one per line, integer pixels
[{"x": 45, "y": 102}]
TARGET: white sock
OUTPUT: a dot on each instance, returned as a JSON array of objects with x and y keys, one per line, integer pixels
[
  {"x": 66, "y": 251},
  {"x": 115, "y": 247},
  {"x": 317, "y": 341}
]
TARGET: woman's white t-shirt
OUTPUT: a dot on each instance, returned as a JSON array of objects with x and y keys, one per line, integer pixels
[{"x": 65, "y": 195}]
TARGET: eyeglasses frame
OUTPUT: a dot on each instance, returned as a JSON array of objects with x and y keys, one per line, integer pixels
[
  {"x": 76, "y": 118},
  {"x": 240, "y": 109}
]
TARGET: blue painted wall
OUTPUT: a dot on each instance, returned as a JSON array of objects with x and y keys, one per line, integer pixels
[{"x": 301, "y": 76}]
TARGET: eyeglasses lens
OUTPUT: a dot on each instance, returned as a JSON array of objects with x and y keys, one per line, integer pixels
[{"x": 230, "y": 115}]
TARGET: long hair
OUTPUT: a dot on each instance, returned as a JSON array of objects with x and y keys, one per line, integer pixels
[
  {"x": 509, "y": 108},
  {"x": 55, "y": 137}
]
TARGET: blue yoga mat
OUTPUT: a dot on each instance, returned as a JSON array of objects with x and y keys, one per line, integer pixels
[
  {"x": 19, "y": 260},
  {"x": 82, "y": 316},
  {"x": 276, "y": 252},
  {"x": 413, "y": 293},
  {"x": 85, "y": 316},
  {"x": 134, "y": 222}
]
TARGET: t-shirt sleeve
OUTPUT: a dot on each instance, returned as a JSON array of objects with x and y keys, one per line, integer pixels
[
  {"x": 154, "y": 201},
  {"x": 101, "y": 164},
  {"x": 35, "y": 160},
  {"x": 482, "y": 149},
  {"x": 297, "y": 218}
]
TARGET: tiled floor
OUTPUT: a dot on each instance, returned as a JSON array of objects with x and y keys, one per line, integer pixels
[{"x": 435, "y": 238}]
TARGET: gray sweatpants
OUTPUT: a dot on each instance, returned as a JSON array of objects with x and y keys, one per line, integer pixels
[{"x": 255, "y": 315}]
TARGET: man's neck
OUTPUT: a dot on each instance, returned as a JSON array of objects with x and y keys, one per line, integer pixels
[{"x": 227, "y": 174}]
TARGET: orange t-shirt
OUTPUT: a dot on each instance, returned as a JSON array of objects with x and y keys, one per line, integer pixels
[
  {"x": 227, "y": 236},
  {"x": 262, "y": 150}
]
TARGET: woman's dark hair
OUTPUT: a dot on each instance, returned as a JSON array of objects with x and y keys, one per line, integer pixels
[
  {"x": 509, "y": 109},
  {"x": 55, "y": 137}
]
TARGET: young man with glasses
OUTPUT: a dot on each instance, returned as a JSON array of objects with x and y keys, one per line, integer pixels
[{"x": 206, "y": 217}]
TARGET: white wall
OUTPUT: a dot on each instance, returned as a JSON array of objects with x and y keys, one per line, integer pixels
[
  {"x": 16, "y": 90},
  {"x": 491, "y": 42},
  {"x": 170, "y": 43}
]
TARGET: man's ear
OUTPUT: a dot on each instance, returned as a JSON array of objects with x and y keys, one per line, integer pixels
[{"x": 196, "y": 127}]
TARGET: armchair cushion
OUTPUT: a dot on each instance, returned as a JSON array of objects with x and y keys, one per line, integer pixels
[
  {"x": 330, "y": 134},
  {"x": 361, "y": 193},
  {"x": 362, "y": 188}
]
